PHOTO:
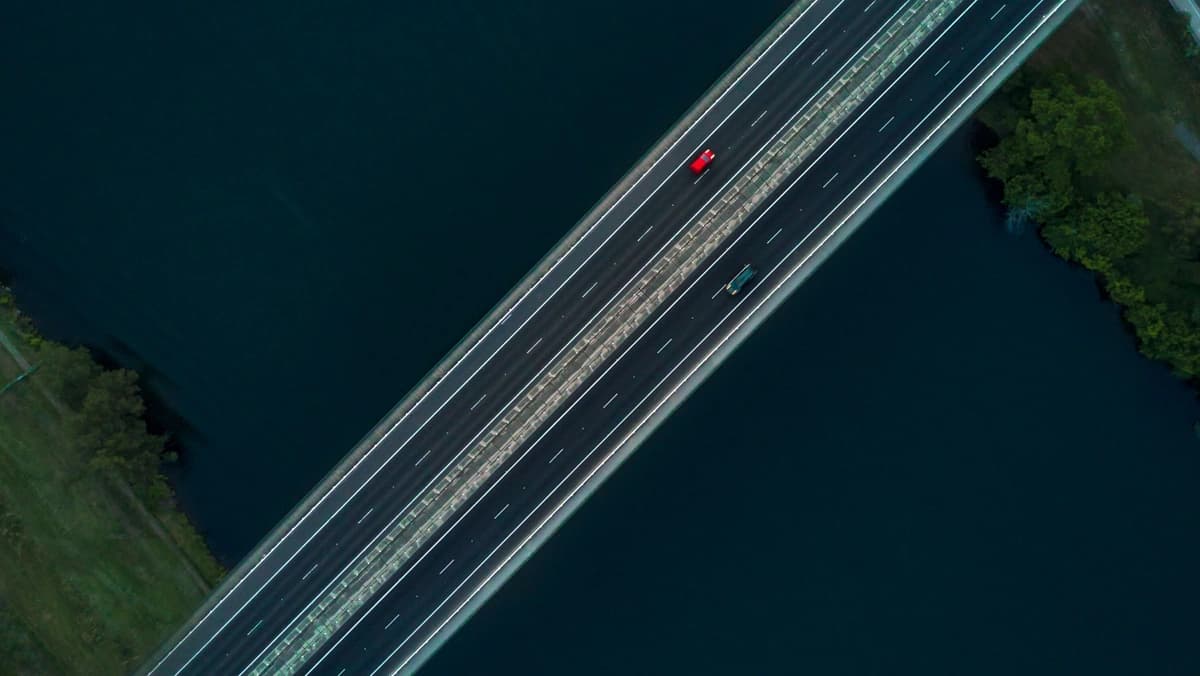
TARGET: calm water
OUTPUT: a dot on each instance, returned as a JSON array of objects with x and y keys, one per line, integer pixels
[{"x": 954, "y": 461}]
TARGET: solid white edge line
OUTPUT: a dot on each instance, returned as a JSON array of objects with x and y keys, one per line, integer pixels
[
  {"x": 600, "y": 312},
  {"x": 734, "y": 329},
  {"x": 770, "y": 47},
  {"x": 562, "y": 415}
]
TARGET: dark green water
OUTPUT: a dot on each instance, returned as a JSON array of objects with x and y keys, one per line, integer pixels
[{"x": 954, "y": 461}]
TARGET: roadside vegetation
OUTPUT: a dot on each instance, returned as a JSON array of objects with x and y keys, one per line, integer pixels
[
  {"x": 97, "y": 566},
  {"x": 1099, "y": 145}
]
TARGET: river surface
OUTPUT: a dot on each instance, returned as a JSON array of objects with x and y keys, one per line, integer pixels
[{"x": 942, "y": 455}]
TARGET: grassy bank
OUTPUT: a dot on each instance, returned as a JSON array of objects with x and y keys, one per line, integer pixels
[
  {"x": 1100, "y": 146},
  {"x": 95, "y": 569}
]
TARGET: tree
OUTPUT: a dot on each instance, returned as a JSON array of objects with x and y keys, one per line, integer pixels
[
  {"x": 67, "y": 373},
  {"x": 1099, "y": 233},
  {"x": 1063, "y": 134},
  {"x": 111, "y": 432}
]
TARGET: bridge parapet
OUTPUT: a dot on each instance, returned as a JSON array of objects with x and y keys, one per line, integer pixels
[{"x": 407, "y": 534}]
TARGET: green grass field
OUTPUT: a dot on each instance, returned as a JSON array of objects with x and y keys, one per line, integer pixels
[{"x": 90, "y": 582}]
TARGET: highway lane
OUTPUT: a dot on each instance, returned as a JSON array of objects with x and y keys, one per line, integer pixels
[
  {"x": 451, "y": 433},
  {"x": 314, "y": 550},
  {"x": 986, "y": 31}
]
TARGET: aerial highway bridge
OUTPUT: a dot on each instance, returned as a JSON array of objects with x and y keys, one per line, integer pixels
[{"x": 811, "y": 130}]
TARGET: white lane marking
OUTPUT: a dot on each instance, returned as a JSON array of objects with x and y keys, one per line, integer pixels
[
  {"x": 550, "y": 362},
  {"x": 507, "y": 315},
  {"x": 610, "y": 400},
  {"x": 993, "y": 17},
  {"x": 556, "y": 455},
  {"x": 391, "y": 621},
  {"x": 582, "y": 238},
  {"x": 823, "y": 53},
  {"x": 835, "y": 175},
  {"x": 661, "y": 316},
  {"x": 869, "y": 6},
  {"x": 342, "y": 671},
  {"x": 699, "y": 177},
  {"x": 758, "y": 119},
  {"x": 885, "y": 124},
  {"x": 664, "y": 346},
  {"x": 478, "y": 402},
  {"x": 716, "y": 293},
  {"x": 616, "y": 295},
  {"x": 589, "y": 289},
  {"x": 535, "y": 344},
  {"x": 709, "y": 355},
  {"x": 647, "y": 232},
  {"x": 500, "y": 512},
  {"x": 445, "y": 567},
  {"x": 427, "y": 552},
  {"x": 581, "y": 397},
  {"x": 255, "y": 627},
  {"x": 620, "y": 291},
  {"x": 422, "y": 458},
  {"x": 360, "y": 520},
  {"x": 310, "y": 570},
  {"x": 772, "y": 237},
  {"x": 939, "y": 70}
]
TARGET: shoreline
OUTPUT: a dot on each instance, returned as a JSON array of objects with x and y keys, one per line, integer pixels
[
  {"x": 60, "y": 503},
  {"x": 1127, "y": 220}
]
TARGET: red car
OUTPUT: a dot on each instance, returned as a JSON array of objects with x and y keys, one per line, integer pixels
[{"x": 701, "y": 163}]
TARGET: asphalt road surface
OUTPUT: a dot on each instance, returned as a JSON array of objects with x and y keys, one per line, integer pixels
[{"x": 405, "y": 621}]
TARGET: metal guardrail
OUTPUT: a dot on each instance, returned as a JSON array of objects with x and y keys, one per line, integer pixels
[{"x": 407, "y": 535}]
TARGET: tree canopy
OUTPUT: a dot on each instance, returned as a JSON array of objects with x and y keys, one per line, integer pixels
[
  {"x": 1061, "y": 132},
  {"x": 1058, "y": 139}
]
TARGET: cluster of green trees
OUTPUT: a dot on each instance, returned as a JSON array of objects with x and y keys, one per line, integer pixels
[
  {"x": 106, "y": 416},
  {"x": 1058, "y": 138}
]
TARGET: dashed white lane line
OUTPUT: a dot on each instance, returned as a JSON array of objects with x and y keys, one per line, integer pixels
[
  {"x": 823, "y": 53},
  {"x": 868, "y": 7},
  {"x": 758, "y": 119},
  {"x": 664, "y": 346},
  {"x": 445, "y": 567},
  {"x": 683, "y": 227},
  {"x": 599, "y": 220},
  {"x": 500, "y": 512},
  {"x": 772, "y": 237},
  {"x": 555, "y": 456},
  {"x": 310, "y": 570},
  {"x": 775, "y": 201},
  {"x": 392, "y": 621},
  {"x": 478, "y": 402},
  {"x": 255, "y": 627},
  {"x": 835, "y": 175},
  {"x": 589, "y": 289},
  {"x": 835, "y": 75},
  {"x": 939, "y": 70},
  {"x": 422, "y": 459},
  {"x": 610, "y": 400},
  {"x": 535, "y": 344},
  {"x": 360, "y": 519},
  {"x": 993, "y": 17},
  {"x": 950, "y": 115},
  {"x": 885, "y": 124},
  {"x": 647, "y": 232}
]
